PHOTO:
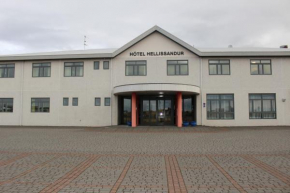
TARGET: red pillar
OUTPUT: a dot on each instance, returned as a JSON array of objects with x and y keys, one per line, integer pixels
[
  {"x": 179, "y": 109},
  {"x": 134, "y": 122}
]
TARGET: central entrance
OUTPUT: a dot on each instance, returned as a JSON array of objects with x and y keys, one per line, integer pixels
[{"x": 156, "y": 110}]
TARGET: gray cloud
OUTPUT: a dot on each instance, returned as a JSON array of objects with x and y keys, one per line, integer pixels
[{"x": 35, "y": 26}]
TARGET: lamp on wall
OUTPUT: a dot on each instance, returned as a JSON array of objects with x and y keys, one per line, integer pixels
[{"x": 283, "y": 100}]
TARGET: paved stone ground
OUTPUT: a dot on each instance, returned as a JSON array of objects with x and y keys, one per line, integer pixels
[{"x": 146, "y": 159}]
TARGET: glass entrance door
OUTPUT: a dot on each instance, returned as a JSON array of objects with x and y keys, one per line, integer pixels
[{"x": 156, "y": 111}]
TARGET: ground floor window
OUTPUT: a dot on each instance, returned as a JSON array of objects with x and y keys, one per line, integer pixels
[
  {"x": 262, "y": 106},
  {"x": 220, "y": 106},
  {"x": 6, "y": 105},
  {"x": 40, "y": 105},
  {"x": 188, "y": 110}
]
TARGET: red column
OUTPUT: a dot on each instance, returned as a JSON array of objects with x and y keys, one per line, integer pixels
[
  {"x": 134, "y": 122},
  {"x": 179, "y": 109}
]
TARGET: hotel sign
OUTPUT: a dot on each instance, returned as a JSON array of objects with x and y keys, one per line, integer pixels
[{"x": 164, "y": 53}]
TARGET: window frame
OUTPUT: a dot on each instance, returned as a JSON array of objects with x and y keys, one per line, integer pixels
[
  {"x": 106, "y": 98},
  {"x": 220, "y": 105},
  {"x": 1, "y": 102},
  {"x": 41, "y": 67},
  {"x": 104, "y": 65},
  {"x": 77, "y": 98},
  {"x": 95, "y": 65},
  {"x": 6, "y": 69},
  {"x": 100, "y": 101},
  {"x": 138, "y": 65},
  {"x": 221, "y": 64},
  {"x": 262, "y": 105},
  {"x": 67, "y": 101},
  {"x": 175, "y": 68},
  {"x": 42, "y": 105},
  {"x": 262, "y": 66},
  {"x": 75, "y": 68}
]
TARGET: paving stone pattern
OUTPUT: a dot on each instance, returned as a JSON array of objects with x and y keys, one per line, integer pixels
[{"x": 120, "y": 159}]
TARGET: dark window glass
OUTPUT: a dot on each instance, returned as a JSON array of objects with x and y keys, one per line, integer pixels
[
  {"x": 126, "y": 110},
  {"x": 97, "y": 101},
  {"x": 262, "y": 106},
  {"x": 107, "y": 101},
  {"x": 106, "y": 65},
  {"x": 7, "y": 70},
  {"x": 219, "y": 67},
  {"x": 261, "y": 67},
  {"x": 40, "y": 105},
  {"x": 41, "y": 70},
  {"x": 187, "y": 108},
  {"x": 73, "y": 69},
  {"x": 177, "y": 67},
  {"x": 220, "y": 106},
  {"x": 136, "y": 68},
  {"x": 96, "y": 65},
  {"x": 75, "y": 102},
  {"x": 65, "y": 101},
  {"x": 6, "y": 105}
]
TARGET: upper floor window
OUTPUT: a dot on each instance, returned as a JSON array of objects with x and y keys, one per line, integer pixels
[
  {"x": 6, "y": 105},
  {"x": 261, "y": 67},
  {"x": 220, "y": 106},
  {"x": 262, "y": 106},
  {"x": 177, "y": 67},
  {"x": 73, "y": 69},
  {"x": 106, "y": 65},
  {"x": 219, "y": 67},
  {"x": 96, "y": 65},
  {"x": 40, "y": 105},
  {"x": 41, "y": 70},
  {"x": 7, "y": 70},
  {"x": 136, "y": 68}
]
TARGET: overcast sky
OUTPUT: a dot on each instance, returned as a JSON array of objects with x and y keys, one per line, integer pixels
[{"x": 52, "y": 25}]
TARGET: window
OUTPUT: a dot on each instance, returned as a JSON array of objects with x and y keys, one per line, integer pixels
[
  {"x": 261, "y": 67},
  {"x": 175, "y": 67},
  {"x": 40, "y": 105},
  {"x": 106, "y": 65},
  {"x": 65, "y": 101},
  {"x": 188, "y": 108},
  {"x": 219, "y": 67},
  {"x": 97, "y": 101},
  {"x": 220, "y": 106},
  {"x": 7, "y": 70},
  {"x": 41, "y": 70},
  {"x": 107, "y": 101},
  {"x": 96, "y": 65},
  {"x": 6, "y": 105},
  {"x": 262, "y": 106},
  {"x": 136, "y": 68},
  {"x": 73, "y": 69},
  {"x": 75, "y": 102}
]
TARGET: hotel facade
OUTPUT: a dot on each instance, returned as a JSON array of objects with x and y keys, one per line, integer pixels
[{"x": 155, "y": 79}]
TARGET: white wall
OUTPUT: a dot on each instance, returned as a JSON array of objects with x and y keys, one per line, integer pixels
[
  {"x": 94, "y": 83},
  {"x": 241, "y": 83}
]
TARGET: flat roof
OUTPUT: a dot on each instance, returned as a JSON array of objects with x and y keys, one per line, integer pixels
[{"x": 113, "y": 52}]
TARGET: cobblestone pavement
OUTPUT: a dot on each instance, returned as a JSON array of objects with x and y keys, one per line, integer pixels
[{"x": 146, "y": 159}]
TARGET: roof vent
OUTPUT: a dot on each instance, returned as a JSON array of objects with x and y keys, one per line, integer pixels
[
  {"x": 230, "y": 46},
  {"x": 284, "y": 46}
]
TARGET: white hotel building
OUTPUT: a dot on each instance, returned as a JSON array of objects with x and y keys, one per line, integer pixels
[{"x": 155, "y": 79}]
